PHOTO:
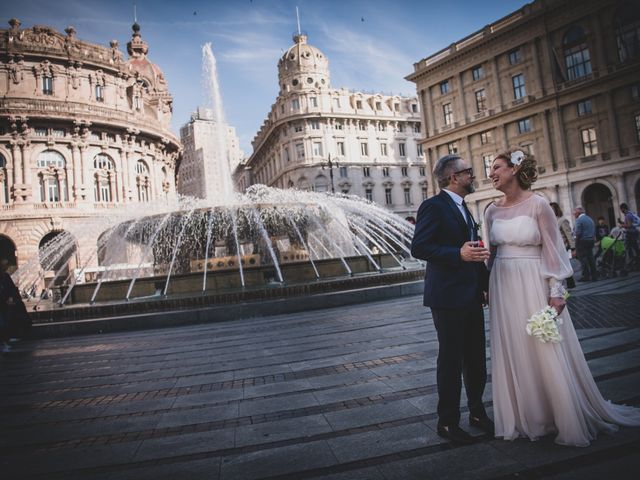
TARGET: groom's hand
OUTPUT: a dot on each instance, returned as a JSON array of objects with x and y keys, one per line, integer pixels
[{"x": 470, "y": 252}]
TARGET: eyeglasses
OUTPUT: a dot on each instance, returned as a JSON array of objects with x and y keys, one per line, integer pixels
[{"x": 465, "y": 170}]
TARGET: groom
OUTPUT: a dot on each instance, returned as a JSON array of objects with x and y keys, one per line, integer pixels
[{"x": 456, "y": 279}]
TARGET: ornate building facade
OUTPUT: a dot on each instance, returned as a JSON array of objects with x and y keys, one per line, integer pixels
[
  {"x": 201, "y": 171},
  {"x": 324, "y": 139},
  {"x": 557, "y": 78},
  {"x": 83, "y": 131}
]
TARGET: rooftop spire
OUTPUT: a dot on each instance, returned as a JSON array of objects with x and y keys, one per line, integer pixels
[{"x": 298, "y": 19}]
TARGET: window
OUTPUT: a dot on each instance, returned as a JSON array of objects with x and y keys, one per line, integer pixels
[
  {"x": 103, "y": 191},
  {"x": 401, "y": 127},
  {"x": 477, "y": 72},
  {"x": 362, "y": 126},
  {"x": 638, "y": 128},
  {"x": 416, "y": 128},
  {"x": 40, "y": 132},
  {"x": 414, "y": 108},
  {"x": 519, "y": 90},
  {"x": 382, "y": 127},
  {"x": 337, "y": 125},
  {"x": 383, "y": 149},
  {"x": 368, "y": 194},
  {"x": 317, "y": 149},
  {"x": 295, "y": 104},
  {"x": 628, "y": 31},
  {"x": 444, "y": 87},
  {"x": 584, "y": 108},
  {"x": 366, "y": 171},
  {"x": 402, "y": 149},
  {"x": 143, "y": 181},
  {"x": 340, "y": 148},
  {"x": 481, "y": 101},
  {"x": 589, "y": 141},
  {"x": 407, "y": 195},
  {"x": 47, "y": 85},
  {"x": 524, "y": 125},
  {"x": 315, "y": 125},
  {"x": 299, "y": 150},
  {"x": 321, "y": 184},
  {"x": 420, "y": 150},
  {"x": 635, "y": 92},
  {"x": 378, "y": 105},
  {"x": 514, "y": 56},
  {"x": 387, "y": 196},
  {"x": 282, "y": 108},
  {"x": 425, "y": 194},
  {"x": 102, "y": 162},
  {"x": 385, "y": 171},
  {"x": 313, "y": 101},
  {"x": 396, "y": 107},
  {"x": 336, "y": 102},
  {"x": 487, "y": 162},
  {"x": 137, "y": 103},
  {"x": 447, "y": 112},
  {"x": 343, "y": 172},
  {"x": 405, "y": 171},
  {"x": 285, "y": 155},
  {"x": 577, "y": 58},
  {"x": 422, "y": 171},
  {"x": 99, "y": 93},
  {"x": 344, "y": 190},
  {"x": 57, "y": 132},
  {"x": 486, "y": 137},
  {"x": 50, "y": 158},
  {"x": 364, "y": 149},
  {"x": 452, "y": 147},
  {"x": 358, "y": 103},
  {"x": 298, "y": 128},
  {"x": 4, "y": 186}
]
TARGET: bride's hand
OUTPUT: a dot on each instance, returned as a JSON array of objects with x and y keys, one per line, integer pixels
[{"x": 558, "y": 303}]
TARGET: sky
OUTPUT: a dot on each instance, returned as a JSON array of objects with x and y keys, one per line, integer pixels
[{"x": 371, "y": 45}]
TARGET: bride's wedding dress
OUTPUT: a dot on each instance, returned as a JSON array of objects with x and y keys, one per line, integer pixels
[{"x": 538, "y": 388}]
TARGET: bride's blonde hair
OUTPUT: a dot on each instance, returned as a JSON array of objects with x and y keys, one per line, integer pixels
[{"x": 526, "y": 171}]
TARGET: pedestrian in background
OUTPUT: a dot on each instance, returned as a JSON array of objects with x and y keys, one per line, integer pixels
[
  {"x": 630, "y": 223},
  {"x": 13, "y": 312},
  {"x": 585, "y": 233}
]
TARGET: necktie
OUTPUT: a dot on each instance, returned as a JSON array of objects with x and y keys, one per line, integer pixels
[{"x": 470, "y": 225}]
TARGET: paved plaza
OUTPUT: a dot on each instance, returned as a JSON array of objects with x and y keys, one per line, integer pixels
[{"x": 341, "y": 393}]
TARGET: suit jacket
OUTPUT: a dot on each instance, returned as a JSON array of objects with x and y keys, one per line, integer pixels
[{"x": 439, "y": 234}]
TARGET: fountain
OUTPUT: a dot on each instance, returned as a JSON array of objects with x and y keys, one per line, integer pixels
[{"x": 234, "y": 244}]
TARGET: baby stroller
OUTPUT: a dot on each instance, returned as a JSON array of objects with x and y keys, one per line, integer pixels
[{"x": 612, "y": 261}]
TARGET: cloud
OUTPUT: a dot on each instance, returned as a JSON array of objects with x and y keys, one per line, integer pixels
[{"x": 366, "y": 58}]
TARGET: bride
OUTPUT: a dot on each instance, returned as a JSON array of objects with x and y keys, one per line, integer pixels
[{"x": 538, "y": 388}]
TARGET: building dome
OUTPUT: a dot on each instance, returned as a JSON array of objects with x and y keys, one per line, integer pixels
[
  {"x": 303, "y": 66},
  {"x": 146, "y": 72}
]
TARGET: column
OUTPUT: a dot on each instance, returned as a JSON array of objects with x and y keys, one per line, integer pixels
[
  {"x": 505, "y": 136},
  {"x": 613, "y": 124},
  {"x": 429, "y": 111},
  {"x": 462, "y": 96},
  {"x": 77, "y": 181},
  {"x": 560, "y": 139},
  {"x": 16, "y": 160},
  {"x": 496, "y": 80},
  {"x": 547, "y": 139},
  {"x": 537, "y": 67}
]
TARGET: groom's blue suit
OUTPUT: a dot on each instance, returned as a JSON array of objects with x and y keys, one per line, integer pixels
[{"x": 453, "y": 289}]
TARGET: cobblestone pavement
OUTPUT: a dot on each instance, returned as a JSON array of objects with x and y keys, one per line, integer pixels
[{"x": 342, "y": 393}]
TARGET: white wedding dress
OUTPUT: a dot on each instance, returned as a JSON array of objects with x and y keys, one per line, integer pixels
[{"x": 538, "y": 388}]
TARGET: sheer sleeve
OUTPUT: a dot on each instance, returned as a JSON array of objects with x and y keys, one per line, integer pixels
[
  {"x": 488, "y": 220},
  {"x": 555, "y": 264}
]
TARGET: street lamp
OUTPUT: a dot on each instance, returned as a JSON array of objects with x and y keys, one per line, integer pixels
[{"x": 330, "y": 165}]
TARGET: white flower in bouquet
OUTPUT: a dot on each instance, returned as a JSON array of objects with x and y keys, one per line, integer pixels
[{"x": 543, "y": 325}]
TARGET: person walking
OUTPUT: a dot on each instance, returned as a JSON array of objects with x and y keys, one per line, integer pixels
[
  {"x": 585, "y": 233},
  {"x": 456, "y": 277},
  {"x": 630, "y": 223},
  {"x": 567, "y": 236}
]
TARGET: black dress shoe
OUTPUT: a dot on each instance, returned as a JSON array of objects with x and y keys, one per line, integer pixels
[
  {"x": 483, "y": 423},
  {"x": 456, "y": 435}
]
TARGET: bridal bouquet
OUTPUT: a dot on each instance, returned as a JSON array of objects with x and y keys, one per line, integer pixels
[{"x": 543, "y": 325}]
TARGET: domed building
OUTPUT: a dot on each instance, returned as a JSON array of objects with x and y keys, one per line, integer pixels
[
  {"x": 323, "y": 139},
  {"x": 83, "y": 131}
]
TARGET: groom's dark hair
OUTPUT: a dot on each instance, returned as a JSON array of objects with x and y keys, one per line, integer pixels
[{"x": 445, "y": 167}]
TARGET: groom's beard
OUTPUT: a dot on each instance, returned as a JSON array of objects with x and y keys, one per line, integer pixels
[{"x": 470, "y": 187}]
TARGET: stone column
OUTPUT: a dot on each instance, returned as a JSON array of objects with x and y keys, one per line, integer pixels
[
  {"x": 463, "y": 100},
  {"x": 429, "y": 114},
  {"x": 547, "y": 139},
  {"x": 16, "y": 160},
  {"x": 77, "y": 180},
  {"x": 613, "y": 124},
  {"x": 496, "y": 80},
  {"x": 560, "y": 139},
  {"x": 537, "y": 67}
]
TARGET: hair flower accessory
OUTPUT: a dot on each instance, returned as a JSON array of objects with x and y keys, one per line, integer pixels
[{"x": 517, "y": 157}]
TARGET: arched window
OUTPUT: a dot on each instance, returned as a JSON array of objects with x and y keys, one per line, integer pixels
[
  {"x": 143, "y": 181},
  {"x": 52, "y": 176},
  {"x": 627, "y": 23},
  {"x": 576, "y": 53},
  {"x": 321, "y": 184},
  {"x": 4, "y": 187},
  {"x": 104, "y": 187},
  {"x": 303, "y": 184}
]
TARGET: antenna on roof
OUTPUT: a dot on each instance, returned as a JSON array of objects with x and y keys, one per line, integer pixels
[
  {"x": 298, "y": 19},
  {"x": 135, "y": 13}
]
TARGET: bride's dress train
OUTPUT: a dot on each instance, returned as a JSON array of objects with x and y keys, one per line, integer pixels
[{"x": 539, "y": 388}]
